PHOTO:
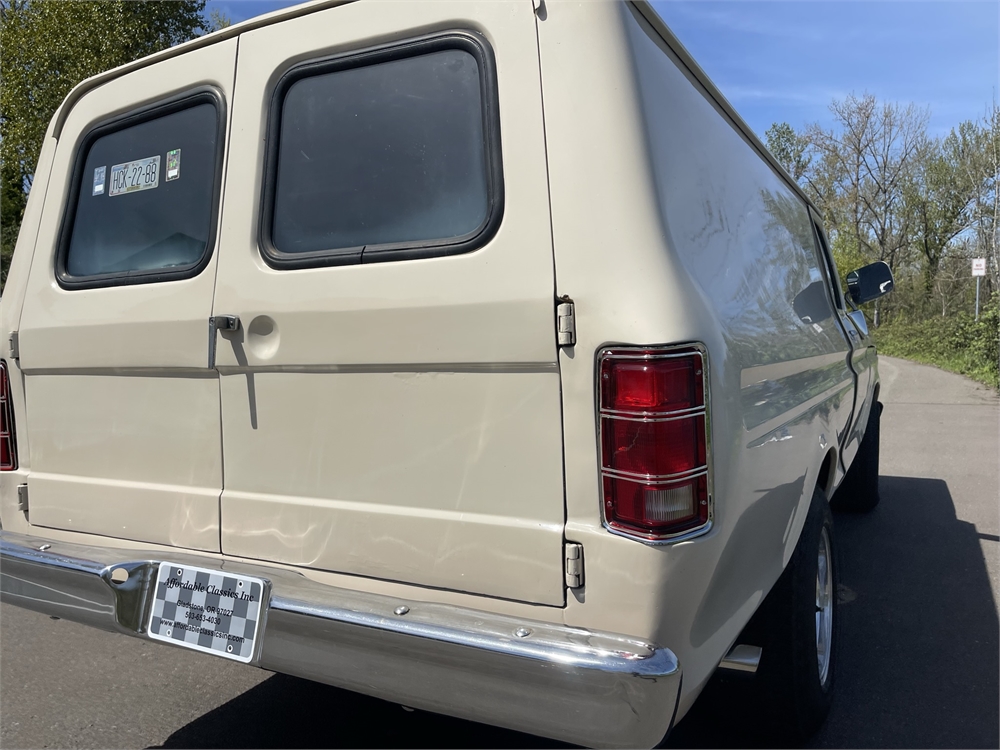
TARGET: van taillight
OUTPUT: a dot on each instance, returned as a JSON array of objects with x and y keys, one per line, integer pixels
[
  {"x": 8, "y": 445},
  {"x": 654, "y": 441}
]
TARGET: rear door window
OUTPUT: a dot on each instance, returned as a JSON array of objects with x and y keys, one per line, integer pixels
[
  {"x": 145, "y": 197},
  {"x": 385, "y": 155}
]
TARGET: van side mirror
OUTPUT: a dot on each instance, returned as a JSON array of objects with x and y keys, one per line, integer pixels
[{"x": 869, "y": 282}]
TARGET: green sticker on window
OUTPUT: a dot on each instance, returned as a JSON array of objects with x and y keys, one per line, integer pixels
[{"x": 173, "y": 164}]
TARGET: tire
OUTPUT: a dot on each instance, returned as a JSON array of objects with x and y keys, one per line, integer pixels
[
  {"x": 789, "y": 697},
  {"x": 858, "y": 492}
]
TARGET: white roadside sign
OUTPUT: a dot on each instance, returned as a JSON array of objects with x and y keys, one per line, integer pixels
[{"x": 979, "y": 266}]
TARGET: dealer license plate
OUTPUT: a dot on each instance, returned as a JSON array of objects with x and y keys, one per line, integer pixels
[{"x": 207, "y": 610}]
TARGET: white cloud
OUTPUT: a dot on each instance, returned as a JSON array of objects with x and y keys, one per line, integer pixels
[
  {"x": 737, "y": 93},
  {"x": 744, "y": 20}
]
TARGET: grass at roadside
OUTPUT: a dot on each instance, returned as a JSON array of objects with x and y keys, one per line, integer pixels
[{"x": 959, "y": 344}]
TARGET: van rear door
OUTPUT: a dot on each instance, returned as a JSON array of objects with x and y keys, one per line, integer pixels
[
  {"x": 122, "y": 409},
  {"x": 390, "y": 398}
]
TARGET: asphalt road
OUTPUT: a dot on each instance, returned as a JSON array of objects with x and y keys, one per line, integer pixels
[{"x": 918, "y": 667}]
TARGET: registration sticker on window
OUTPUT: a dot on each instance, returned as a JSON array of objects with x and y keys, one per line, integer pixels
[
  {"x": 173, "y": 164},
  {"x": 212, "y": 611},
  {"x": 133, "y": 176},
  {"x": 99, "y": 173}
]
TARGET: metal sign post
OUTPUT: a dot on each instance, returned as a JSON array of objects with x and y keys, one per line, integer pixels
[{"x": 978, "y": 270}]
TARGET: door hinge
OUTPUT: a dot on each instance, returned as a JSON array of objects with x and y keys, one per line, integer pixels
[
  {"x": 219, "y": 323},
  {"x": 574, "y": 565},
  {"x": 565, "y": 322},
  {"x": 22, "y": 497},
  {"x": 15, "y": 350}
]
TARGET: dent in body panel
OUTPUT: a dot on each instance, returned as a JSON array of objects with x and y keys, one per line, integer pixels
[
  {"x": 173, "y": 515},
  {"x": 443, "y": 549},
  {"x": 434, "y": 478},
  {"x": 113, "y": 454}
]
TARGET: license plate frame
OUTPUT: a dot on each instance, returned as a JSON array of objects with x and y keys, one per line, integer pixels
[{"x": 212, "y": 611}]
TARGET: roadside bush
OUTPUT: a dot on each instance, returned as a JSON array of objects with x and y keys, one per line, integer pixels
[{"x": 958, "y": 343}]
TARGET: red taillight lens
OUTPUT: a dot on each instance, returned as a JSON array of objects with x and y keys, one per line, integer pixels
[
  {"x": 653, "y": 447},
  {"x": 648, "y": 385},
  {"x": 8, "y": 445},
  {"x": 654, "y": 441}
]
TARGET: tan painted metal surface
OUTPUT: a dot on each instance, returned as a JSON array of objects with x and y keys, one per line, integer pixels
[
  {"x": 410, "y": 428},
  {"x": 669, "y": 228},
  {"x": 122, "y": 413},
  {"x": 398, "y": 420}
]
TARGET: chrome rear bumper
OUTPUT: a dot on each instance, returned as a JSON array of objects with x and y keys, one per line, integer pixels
[{"x": 571, "y": 684}]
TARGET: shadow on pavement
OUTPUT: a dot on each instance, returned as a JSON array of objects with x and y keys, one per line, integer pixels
[
  {"x": 918, "y": 661},
  {"x": 286, "y": 711}
]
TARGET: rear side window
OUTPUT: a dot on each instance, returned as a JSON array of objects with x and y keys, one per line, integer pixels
[
  {"x": 145, "y": 195},
  {"x": 390, "y": 154}
]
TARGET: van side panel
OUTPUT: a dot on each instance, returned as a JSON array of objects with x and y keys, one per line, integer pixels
[
  {"x": 669, "y": 228},
  {"x": 745, "y": 238}
]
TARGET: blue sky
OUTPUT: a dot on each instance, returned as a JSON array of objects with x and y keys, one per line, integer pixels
[{"x": 785, "y": 60}]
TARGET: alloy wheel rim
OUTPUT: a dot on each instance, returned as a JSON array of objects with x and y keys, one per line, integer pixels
[{"x": 824, "y": 606}]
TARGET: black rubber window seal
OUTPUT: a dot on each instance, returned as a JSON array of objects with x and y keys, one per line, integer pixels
[
  {"x": 468, "y": 41},
  {"x": 161, "y": 108}
]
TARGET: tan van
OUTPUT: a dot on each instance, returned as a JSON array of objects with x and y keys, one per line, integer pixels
[{"x": 473, "y": 356}]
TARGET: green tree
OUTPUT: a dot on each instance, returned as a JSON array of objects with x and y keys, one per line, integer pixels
[
  {"x": 942, "y": 195},
  {"x": 870, "y": 158},
  {"x": 789, "y": 148},
  {"x": 218, "y": 20},
  {"x": 983, "y": 164},
  {"x": 926, "y": 205},
  {"x": 46, "y": 48}
]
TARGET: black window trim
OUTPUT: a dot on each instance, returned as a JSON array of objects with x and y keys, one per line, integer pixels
[
  {"x": 170, "y": 105},
  {"x": 827, "y": 264},
  {"x": 468, "y": 41}
]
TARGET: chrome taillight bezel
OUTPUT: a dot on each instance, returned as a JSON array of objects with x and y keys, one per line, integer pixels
[{"x": 651, "y": 352}]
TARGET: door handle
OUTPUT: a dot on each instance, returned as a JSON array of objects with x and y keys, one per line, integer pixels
[{"x": 219, "y": 323}]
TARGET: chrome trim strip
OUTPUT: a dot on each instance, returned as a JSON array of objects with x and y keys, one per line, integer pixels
[
  {"x": 618, "y": 352},
  {"x": 666, "y": 351},
  {"x": 642, "y": 418},
  {"x": 656, "y": 478},
  {"x": 678, "y": 413},
  {"x": 568, "y": 683},
  {"x": 672, "y": 539}
]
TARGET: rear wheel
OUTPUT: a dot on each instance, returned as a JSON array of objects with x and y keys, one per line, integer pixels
[
  {"x": 788, "y": 698},
  {"x": 797, "y": 667},
  {"x": 858, "y": 493}
]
